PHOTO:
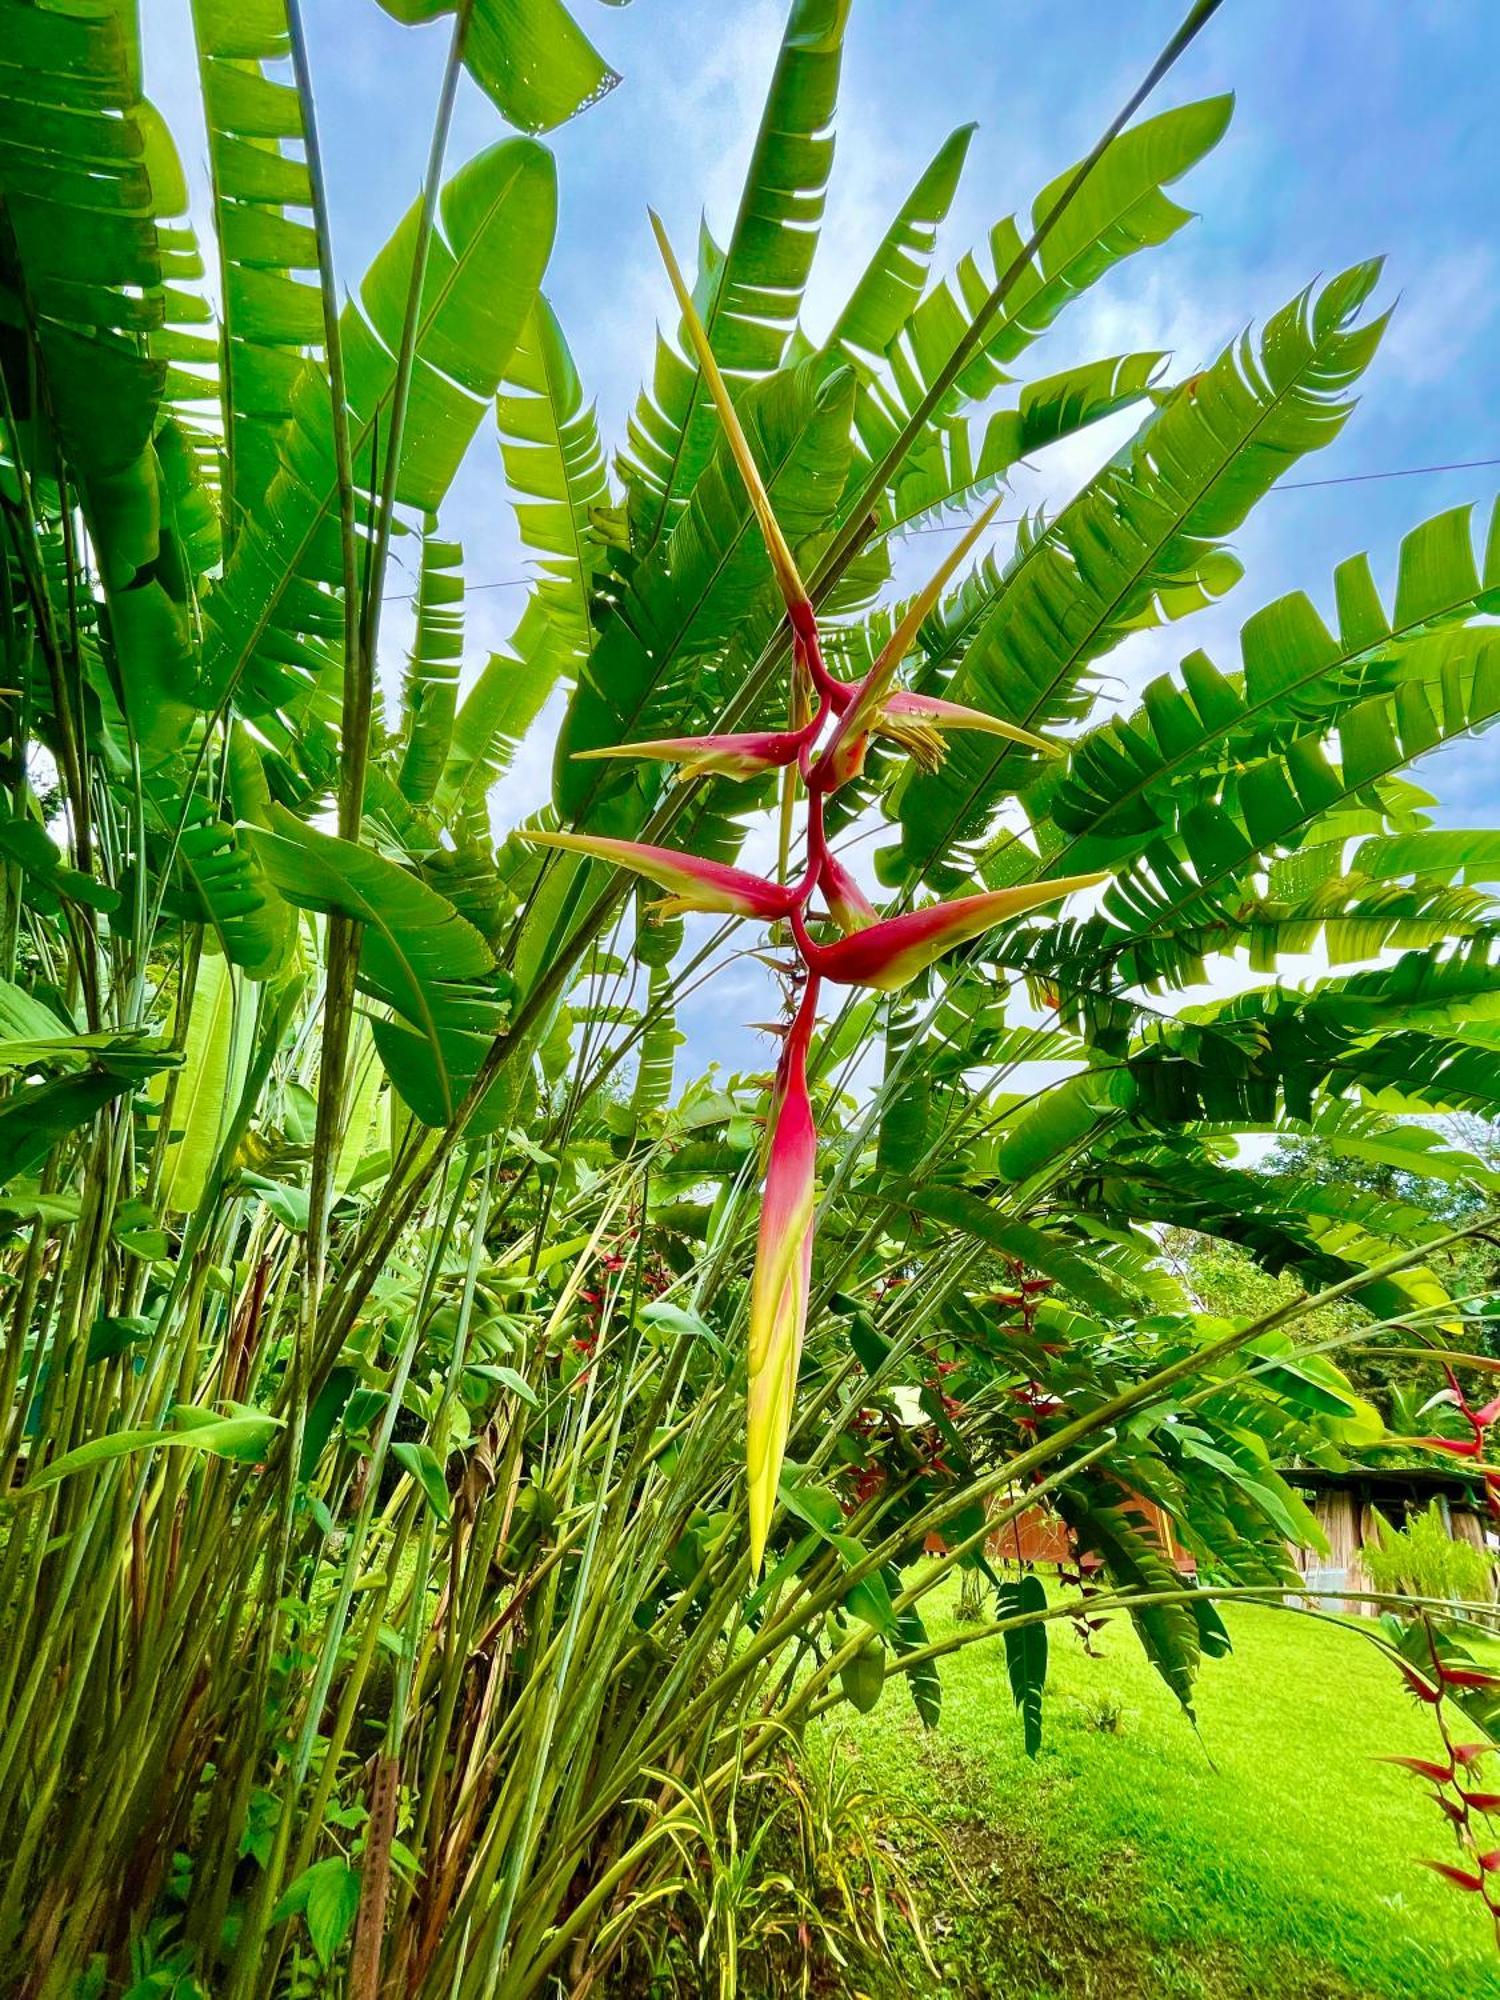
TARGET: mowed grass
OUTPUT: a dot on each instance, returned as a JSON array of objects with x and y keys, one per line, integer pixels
[{"x": 1265, "y": 1855}]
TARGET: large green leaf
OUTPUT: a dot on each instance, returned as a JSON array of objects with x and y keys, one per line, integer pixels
[
  {"x": 530, "y": 57},
  {"x": 554, "y": 462},
  {"x": 34, "y": 1118},
  {"x": 86, "y": 168},
  {"x": 429, "y": 694},
  {"x": 216, "y": 1051},
  {"x": 1139, "y": 544},
  {"x": 417, "y": 954},
  {"x": 1026, "y": 1653},
  {"x": 274, "y": 616},
  {"x": 1123, "y": 778},
  {"x": 892, "y": 282},
  {"x": 748, "y": 296},
  {"x": 271, "y": 318},
  {"x": 1119, "y": 210},
  {"x": 1447, "y": 685}
]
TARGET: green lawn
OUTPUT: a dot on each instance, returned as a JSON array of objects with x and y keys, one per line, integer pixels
[{"x": 1268, "y": 1855}]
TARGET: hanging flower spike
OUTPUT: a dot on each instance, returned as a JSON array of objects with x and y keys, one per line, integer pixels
[
  {"x": 693, "y": 884},
  {"x": 848, "y": 905},
  {"x": 777, "y": 546},
  {"x": 891, "y": 953},
  {"x": 782, "y": 1278},
  {"x": 745, "y": 756},
  {"x": 1479, "y": 1421}
]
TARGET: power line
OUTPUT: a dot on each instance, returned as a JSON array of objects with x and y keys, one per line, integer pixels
[
  {"x": 1283, "y": 486},
  {"x": 1014, "y": 520}
]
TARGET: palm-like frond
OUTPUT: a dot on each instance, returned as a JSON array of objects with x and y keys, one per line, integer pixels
[
  {"x": 555, "y": 464},
  {"x": 430, "y": 691},
  {"x": 1120, "y": 209},
  {"x": 893, "y": 281},
  {"x": 1294, "y": 672},
  {"x": 87, "y": 169},
  {"x": 1140, "y": 543},
  {"x": 276, "y": 608},
  {"x": 529, "y": 57},
  {"x": 748, "y": 295},
  {"x": 271, "y": 317}
]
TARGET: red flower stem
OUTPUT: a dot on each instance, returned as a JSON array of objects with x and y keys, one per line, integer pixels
[
  {"x": 809, "y": 648},
  {"x": 817, "y": 854}
]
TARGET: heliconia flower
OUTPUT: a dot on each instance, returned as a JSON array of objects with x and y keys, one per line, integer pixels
[
  {"x": 743, "y": 756},
  {"x": 1461, "y": 1878},
  {"x": 777, "y": 546},
  {"x": 894, "y": 951},
  {"x": 1438, "y": 1774},
  {"x": 1469, "y": 1447},
  {"x": 694, "y": 884},
  {"x": 848, "y": 905},
  {"x": 859, "y": 715},
  {"x": 782, "y": 1279},
  {"x": 1472, "y": 1678},
  {"x": 1419, "y": 1685},
  {"x": 918, "y": 723}
]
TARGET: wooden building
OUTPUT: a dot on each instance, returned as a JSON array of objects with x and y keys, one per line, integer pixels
[{"x": 1345, "y": 1504}]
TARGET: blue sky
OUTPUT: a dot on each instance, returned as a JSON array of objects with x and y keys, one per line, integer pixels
[{"x": 1360, "y": 128}]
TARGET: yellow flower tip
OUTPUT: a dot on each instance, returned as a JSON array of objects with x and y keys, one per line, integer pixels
[{"x": 777, "y": 546}]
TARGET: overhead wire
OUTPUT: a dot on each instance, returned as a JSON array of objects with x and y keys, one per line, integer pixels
[{"x": 1014, "y": 520}]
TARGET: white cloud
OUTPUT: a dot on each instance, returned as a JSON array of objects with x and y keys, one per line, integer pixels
[{"x": 1438, "y": 323}]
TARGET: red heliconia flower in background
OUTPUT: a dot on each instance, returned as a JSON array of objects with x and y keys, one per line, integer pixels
[{"x": 1479, "y": 1421}]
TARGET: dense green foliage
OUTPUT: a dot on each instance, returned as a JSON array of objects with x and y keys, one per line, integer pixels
[{"x": 375, "y": 1571}]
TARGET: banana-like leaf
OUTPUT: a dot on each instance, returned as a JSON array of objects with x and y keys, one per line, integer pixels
[
  {"x": 271, "y": 317},
  {"x": 1293, "y": 672},
  {"x": 86, "y": 169},
  {"x": 417, "y": 954},
  {"x": 1134, "y": 1560},
  {"x": 216, "y": 1052},
  {"x": 34, "y": 1118},
  {"x": 1140, "y": 544},
  {"x": 958, "y": 1209},
  {"x": 1446, "y": 685},
  {"x": 748, "y": 296},
  {"x": 893, "y": 280},
  {"x": 947, "y": 471},
  {"x": 226, "y": 885},
  {"x": 529, "y": 57},
  {"x": 275, "y": 615},
  {"x": 549, "y": 441},
  {"x": 1119, "y": 210},
  {"x": 660, "y": 1040},
  {"x": 430, "y": 693},
  {"x": 1026, "y": 1653}
]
